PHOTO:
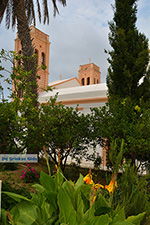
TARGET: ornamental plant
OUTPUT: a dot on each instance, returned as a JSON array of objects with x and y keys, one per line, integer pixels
[
  {"x": 29, "y": 175},
  {"x": 58, "y": 201}
]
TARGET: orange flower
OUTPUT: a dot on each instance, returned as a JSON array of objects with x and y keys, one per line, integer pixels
[
  {"x": 112, "y": 186},
  {"x": 88, "y": 179},
  {"x": 97, "y": 186}
]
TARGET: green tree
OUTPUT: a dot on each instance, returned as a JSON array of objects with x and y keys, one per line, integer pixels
[
  {"x": 129, "y": 56},
  {"x": 122, "y": 119},
  {"x": 9, "y": 128},
  {"x": 65, "y": 132},
  {"x": 23, "y": 13}
]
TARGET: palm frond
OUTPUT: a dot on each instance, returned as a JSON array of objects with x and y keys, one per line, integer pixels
[
  {"x": 55, "y": 7},
  {"x": 33, "y": 13},
  {"x": 45, "y": 9},
  {"x": 10, "y": 7},
  {"x": 3, "y": 8},
  {"x": 13, "y": 14},
  {"x": 29, "y": 7},
  {"x": 8, "y": 14},
  {"x": 38, "y": 9},
  {"x": 63, "y": 2}
]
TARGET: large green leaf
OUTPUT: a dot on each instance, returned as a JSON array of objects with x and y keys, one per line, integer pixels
[
  {"x": 100, "y": 220},
  {"x": 89, "y": 213},
  {"x": 38, "y": 187},
  {"x": 79, "y": 205},
  {"x": 45, "y": 214},
  {"x": 63, "y": 224},
  {"x": 4, "y": 217},
  {"x": 68, "y": 186},
  {"x": 122, "y": 223},
  {"x": 16, "y": 197},
  {"x": 86, "y": 202},
  {"x": 47, "y": 182},
  {"x": 38, "y": 199},
  {"x": 79, "y": 202},
  {"x": 119, "y": 216},
  {"x": 59, "y": 178},
  {"x": 86, "y": 190},
  {"x": 79, "y": 181},
  {"x": 101, "y": 206},
  {"x": 24, "y": 213},
  {"x": 136, "y": 219},
  {"x": 67, "y": 211},
  {"x": 52, "y": 199}
]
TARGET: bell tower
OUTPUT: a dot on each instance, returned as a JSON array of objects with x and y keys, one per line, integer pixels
[
  {"x": 41, "y": 46},
  {"x": 89, "y": 74}
]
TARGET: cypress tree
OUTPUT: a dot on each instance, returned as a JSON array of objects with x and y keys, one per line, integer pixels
[{"x": 129, "y": 56}]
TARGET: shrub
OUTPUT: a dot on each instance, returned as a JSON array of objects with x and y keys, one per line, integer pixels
[
  {"x": 8, "y": 166},
  {"x": 59, "y": 201},
  {"x": 7, "y": 202},
  {"x": 29, "y": 175},
  {"x": 132, "y": 192}
]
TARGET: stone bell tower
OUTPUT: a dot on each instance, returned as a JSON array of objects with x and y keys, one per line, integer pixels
[
  {"x": 89, "y": 74},
  {"x": 41, "y": 46}
]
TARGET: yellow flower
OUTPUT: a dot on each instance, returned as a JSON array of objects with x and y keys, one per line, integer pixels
[
  {"x": 137, "y": 108},
  {"x": 88, "y": 179},
  {"x": 112, "y": 186},
  {"x": 124, "y": 101},
  {"x": 97, "y": 186}
]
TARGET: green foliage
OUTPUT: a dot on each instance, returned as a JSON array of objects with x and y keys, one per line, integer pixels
[
  {"x": 9, "y": 128},
  {"x": 65, "y": 132},
  {"x": 58, "y": 201},
  {"x": 30, "y": 136},
  {"x": 132, "y": 192},
  {"x": 61, "y": 130},
  {"x": 119, "y": 119},
  {"x": 129, "y": 56},
  {"x": 29, "y": 175},
  {"x": 8, "y": 166},
  {"x": 116, "y": 155},
  {"x": 7, "y": 202},
  {"x": 23, "y": 78}
]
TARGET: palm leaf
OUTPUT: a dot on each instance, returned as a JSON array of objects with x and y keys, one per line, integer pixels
[
  {"x": 45, "y": 9},
  {"x": 3, "y": 8}
]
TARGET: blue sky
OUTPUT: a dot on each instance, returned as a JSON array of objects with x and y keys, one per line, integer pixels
[{"x": 79, "y": 34}]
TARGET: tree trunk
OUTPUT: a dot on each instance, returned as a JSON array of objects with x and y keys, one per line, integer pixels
[{"x": 29, "y": 62}]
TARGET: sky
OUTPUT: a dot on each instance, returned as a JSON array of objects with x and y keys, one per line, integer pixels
[{"x": 79, "y": 35}]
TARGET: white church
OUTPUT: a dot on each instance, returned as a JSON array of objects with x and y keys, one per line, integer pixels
[{"x": 82, "y": 92}]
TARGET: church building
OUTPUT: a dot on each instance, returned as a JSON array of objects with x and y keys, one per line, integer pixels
[{"x": 83, "y": 92}]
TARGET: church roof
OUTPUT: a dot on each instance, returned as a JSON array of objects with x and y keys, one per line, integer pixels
[
  {"x": 76, "y": 93},
  {"x": 58, "y": 82}
]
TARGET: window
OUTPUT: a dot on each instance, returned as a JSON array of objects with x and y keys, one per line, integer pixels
[
  {"x": 94, "y": 81},
  {"x": 43, "y": 59},
  {"x": 82, "y": 81},
  {"x": 88, "y": 80}
]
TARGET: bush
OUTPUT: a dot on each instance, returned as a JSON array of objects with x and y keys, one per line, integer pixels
[
  {"x": 8, "y": 166},
  {"x": 29, "y": 175},
  {"x": 59, "y": 201},
  {"x": 132, "y": 192},
  {"x": 7, "y": 202}
]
